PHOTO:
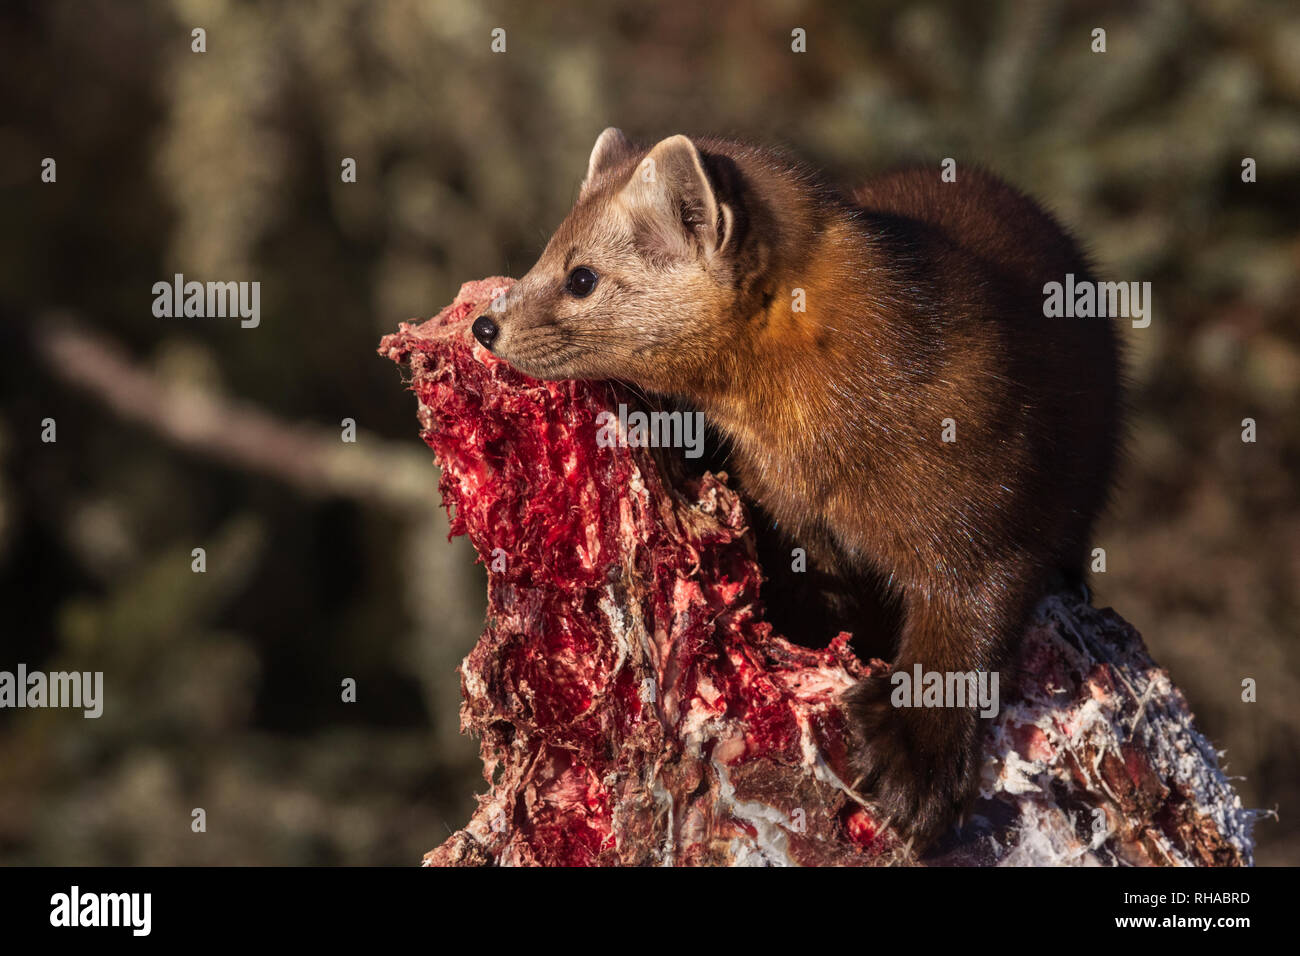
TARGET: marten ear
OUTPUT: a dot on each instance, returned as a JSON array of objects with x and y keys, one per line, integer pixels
[
  {"x": 611, "y": 147},
  {"x": 726, "y": 225},
  {"x": 673, "y": 201}
]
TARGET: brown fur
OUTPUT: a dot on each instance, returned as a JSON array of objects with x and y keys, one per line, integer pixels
[{"x": 924, "y": 302}]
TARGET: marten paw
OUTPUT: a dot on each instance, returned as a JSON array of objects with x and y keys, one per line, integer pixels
[{"x": 916, "y": 766}]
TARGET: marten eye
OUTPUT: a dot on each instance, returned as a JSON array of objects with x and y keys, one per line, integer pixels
[{"x": 580, "y": 282}]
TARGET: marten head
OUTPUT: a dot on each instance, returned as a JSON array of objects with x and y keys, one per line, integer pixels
[{"x": 639, "y": 282}]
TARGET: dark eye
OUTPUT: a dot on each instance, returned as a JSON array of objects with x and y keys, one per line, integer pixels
[{"x": 580, "y": 282}]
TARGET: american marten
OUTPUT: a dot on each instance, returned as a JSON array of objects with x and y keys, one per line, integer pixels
[{"x": 894, "y": 396}]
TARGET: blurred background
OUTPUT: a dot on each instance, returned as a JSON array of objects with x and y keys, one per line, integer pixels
[{"x": 328, "y": 560}]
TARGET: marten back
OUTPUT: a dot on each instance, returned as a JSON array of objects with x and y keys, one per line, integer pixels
[
  {"x": 1073, "y": 363},
  {"x": 982, "y": 214}
]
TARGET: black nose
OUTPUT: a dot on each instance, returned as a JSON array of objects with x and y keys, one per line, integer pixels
[{"x": 485, "y": 330}]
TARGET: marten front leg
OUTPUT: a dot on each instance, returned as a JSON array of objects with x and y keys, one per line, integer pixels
[{"x": 918, "y": 766}]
